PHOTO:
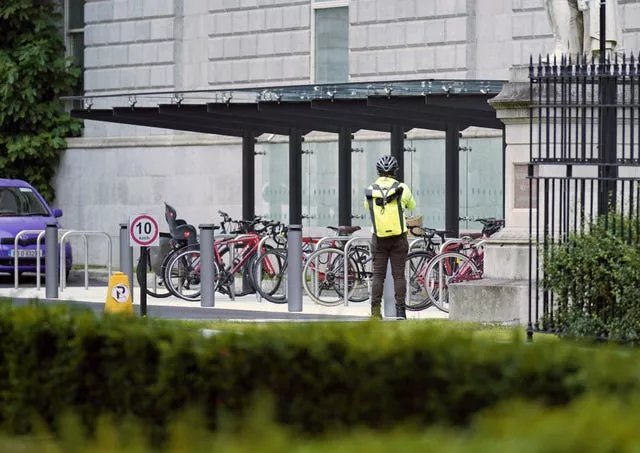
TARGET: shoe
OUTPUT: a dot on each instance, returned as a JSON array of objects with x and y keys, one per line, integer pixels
[
  {"x": 401, "y": 313},
  {"x": 376, "y": 313}
]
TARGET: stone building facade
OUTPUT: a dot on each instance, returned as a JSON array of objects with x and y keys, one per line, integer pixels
[{"x": 136, "y": 46}]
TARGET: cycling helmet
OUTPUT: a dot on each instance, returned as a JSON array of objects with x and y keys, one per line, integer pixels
[{"x": 387, "y": 165}]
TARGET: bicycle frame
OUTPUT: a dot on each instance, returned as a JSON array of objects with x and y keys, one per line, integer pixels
[{"x": 250, "y": 243}]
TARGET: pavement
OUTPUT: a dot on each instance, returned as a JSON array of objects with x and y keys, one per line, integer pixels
[{"x": 246, "y": 308}]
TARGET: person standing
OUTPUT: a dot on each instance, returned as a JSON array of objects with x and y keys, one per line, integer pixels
[{"x": 386, "y": 200}]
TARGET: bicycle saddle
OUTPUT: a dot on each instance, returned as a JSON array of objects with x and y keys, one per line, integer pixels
[{"x": 344, "y": 229}]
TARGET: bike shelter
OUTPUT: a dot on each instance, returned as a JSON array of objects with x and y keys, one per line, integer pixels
[{"x": 395, "y": 107}]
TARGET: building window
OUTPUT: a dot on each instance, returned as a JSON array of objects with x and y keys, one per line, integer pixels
[
  {"x": 331, "y": 41},
  {"x": 74, "y": 38}
]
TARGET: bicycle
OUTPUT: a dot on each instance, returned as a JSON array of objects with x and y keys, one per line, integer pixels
[
  {"x": 324, "y": 270},
  {"x": 182, "y": 273},
  {"x": 417, "y": 263},
  {"x": 270, "y": 269},
  {"x": 463, "y": 264}
]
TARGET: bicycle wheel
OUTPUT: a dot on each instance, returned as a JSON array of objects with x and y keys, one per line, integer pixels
[
  {"x": 323, "y": 276},
  {"x": 416, "y": 271},
  {"x": 154, "y": 282},
  {"x": 269, "y": 275},
  {"x": 445, "y": 269},
  {"x": 359, "y": 257},
  {"x": 182, "y": 275}
]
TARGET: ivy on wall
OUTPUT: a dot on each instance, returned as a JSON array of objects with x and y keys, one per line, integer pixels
[{"x": 34, "y": 73}]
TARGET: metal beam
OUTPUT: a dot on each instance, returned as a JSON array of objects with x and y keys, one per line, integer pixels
[
  {"x": 248, "y": 176},
  {"x": 397, "y": 149},
  {"x": 295, "y": 177},
  {"x": 474, "y": 101},
  {"x": 109, "y": 117},
  {"x": 358, "y": 108},
  {"x": 344, "y": 177},
  {"x": 452, "y": 179},
  {"x": 200, "y": 113},
  {"x": 467, "y": 115},
  {"x": 296, "y": 110},
  {"x": 250, "y": 113}
]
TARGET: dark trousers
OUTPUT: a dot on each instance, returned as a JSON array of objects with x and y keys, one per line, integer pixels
[{"x": 394, "y": 249}]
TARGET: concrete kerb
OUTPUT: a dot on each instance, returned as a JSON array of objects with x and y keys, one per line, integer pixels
[{"x": 96, "y": 295}]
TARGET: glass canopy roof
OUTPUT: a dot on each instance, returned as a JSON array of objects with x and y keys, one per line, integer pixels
[{"x": 297, "y": 93}]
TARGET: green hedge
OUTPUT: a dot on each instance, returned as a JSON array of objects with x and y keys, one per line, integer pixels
[
  {"x": 589, "y": 425},
  {"x": 322, "y": 377}
]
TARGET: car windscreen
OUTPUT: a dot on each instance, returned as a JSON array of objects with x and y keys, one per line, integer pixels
[{"x": 20, "y": 201}]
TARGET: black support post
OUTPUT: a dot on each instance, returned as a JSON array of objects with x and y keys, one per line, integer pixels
[
  {"x": 248, "y": 175},
  {"x": 607, "y": 134},
  {"x": 397, "y": 148},
  {"x": 344, "y": 177},
  {"x": 295, "y": 177},
  {"x": 452, "y": 178}
]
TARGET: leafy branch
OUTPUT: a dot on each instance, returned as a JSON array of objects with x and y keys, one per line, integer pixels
[{"x": 34, "y": 73}]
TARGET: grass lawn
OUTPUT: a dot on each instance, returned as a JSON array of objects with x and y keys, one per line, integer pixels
[{"x": 477, "y": 330}]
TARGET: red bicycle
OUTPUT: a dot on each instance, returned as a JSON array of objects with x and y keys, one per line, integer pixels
[
  {"x": 459, "y": 260},
  {"x": 182, "y": 274}
]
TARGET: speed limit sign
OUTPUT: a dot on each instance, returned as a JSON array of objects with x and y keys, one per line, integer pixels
[{"x": 143, "y": 231}]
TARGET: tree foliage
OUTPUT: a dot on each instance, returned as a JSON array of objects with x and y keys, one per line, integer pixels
[{"x": 34, "y": 73}]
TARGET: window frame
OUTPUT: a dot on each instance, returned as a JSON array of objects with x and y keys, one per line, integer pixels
[
  {"x": 69, "y": 34},
  {"x": 316, "y": 5}
]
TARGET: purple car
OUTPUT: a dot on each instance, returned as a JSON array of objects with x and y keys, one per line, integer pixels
[{"x": 23, "y": 208}]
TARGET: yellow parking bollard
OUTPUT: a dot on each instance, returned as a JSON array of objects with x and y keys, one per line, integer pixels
[{"x": 118, "y": 295}]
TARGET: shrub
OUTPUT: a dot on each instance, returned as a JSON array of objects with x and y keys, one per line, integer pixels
[
  {"x": 595, "y": 276},
  {"x": 591, "y": 424},
  {"x": 322, "y": 377}
]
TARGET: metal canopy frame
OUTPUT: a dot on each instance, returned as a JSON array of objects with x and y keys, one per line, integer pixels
[{"x": 389, "y": 106}]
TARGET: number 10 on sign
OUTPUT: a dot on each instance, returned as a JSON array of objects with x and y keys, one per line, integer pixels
[{"x": 143, "y": 231}]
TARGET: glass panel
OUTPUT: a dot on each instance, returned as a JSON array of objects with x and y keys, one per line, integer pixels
[
  {"x": 75, "y": 14},
  {"x": 273, "y": 200},
  {"x": 320, "y": 184},
  {"x": 332, "y": 45},
  {"x": 481, "y": 176},
  {"x": 424, "y": 173}
]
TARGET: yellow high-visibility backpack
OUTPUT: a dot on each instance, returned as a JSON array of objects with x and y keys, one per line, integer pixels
[{"x": 385, "y": 208}]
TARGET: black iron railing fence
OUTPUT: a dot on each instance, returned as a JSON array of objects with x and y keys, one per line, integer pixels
[{"x": 584, "y": 164}]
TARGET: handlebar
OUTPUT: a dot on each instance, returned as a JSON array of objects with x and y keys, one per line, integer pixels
[{"x": 428, "y": 233}]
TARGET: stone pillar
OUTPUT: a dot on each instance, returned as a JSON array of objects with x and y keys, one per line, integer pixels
[
  {"x": 502, "y": 296},
  {"x": 507, "y": 253}
]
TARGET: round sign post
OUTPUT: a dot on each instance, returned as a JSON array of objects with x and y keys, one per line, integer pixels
[{"x": 143, "y": 232}]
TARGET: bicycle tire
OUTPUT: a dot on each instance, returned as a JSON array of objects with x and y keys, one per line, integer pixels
[
  {"x": 158, "y": 280},
  {"x": 324, "y": 274},
  {"x": 442, "y": 269},
  {"x": 275, "y": 269},
  {"x": 416, "y": 269},
  {"x": 247, "y": 277},
  {"x": 183, "y": 275}
]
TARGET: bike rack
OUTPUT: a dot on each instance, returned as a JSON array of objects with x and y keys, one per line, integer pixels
[
  {"x": 63, "y": 255},
  {"x": 15, "y": 253},
  {"x": 259, "y": 268},
  {"x": 41, "y": 233},
  {"x": 461, "y": 240},
  {"x": 346, "y": 266},
  {"x": 317, "y": 246},
  {"x": 414, "y": 242},
  {"x": 232, "y": 252}
]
